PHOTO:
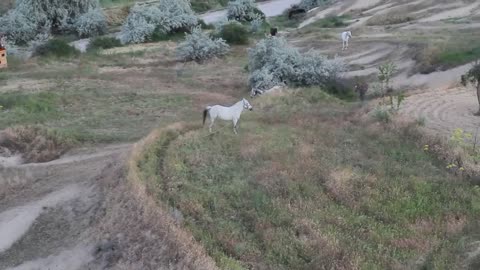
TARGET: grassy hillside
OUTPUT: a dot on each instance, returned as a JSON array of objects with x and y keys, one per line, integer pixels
[{"x": 308, "y": 185}]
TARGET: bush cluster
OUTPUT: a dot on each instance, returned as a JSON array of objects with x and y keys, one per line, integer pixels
[
  {"x": 272, "y": 62},
  {"x": 199, "y": 46},
  {"x": 243, "y": 10},
  {"x": 164, "y": 17},
  {"x": 30, "y": 17}
]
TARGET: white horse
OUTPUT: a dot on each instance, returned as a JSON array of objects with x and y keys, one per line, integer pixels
[
  {"x": 226, "y": 113},
  {"x": 346, "y": 36}
]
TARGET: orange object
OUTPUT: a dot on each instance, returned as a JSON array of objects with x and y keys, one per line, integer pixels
[{"x": 3, "y": 58}]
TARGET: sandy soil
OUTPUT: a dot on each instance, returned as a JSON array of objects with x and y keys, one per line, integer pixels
[
  {"x": 453, "y": 13},
  {"x": 46, "y": 223},
  {"x": 444, "y": 110}
]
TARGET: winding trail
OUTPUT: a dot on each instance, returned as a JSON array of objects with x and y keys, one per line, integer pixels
[{"x": 48, "y": 219}]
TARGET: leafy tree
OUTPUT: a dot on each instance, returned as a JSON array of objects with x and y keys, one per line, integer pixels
[{"x": 473, "y": 77}]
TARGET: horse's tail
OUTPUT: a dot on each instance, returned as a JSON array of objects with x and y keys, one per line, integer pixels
[{"x": 205, "y": 112}]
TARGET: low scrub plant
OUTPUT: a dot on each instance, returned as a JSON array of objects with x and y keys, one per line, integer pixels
[
  {"x": 56, "y": 47},
  {"x": 273, "y": 62},
  {"x": 389, "y": 19},
  {"x": 234, "y": 32},
  {"x": 205, "y": 5},
  {"x": 199, "y": 47},
  {"x": 104, "y": 43},
  {"x": 310, "y": 4},
  {"x": 332, "y": 22},
  {"x": 166, "y": 17}
]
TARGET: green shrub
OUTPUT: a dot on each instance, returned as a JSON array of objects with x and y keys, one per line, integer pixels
[
  {"x": 340, "y": 90},
  {"x": 206, "y": 5},
  {"x": 104, "y": 43},
  {"x": 56, "y": 47},
  {"x": 159, "y": 35},
  {"x": 32, "y": 103},
  {"x": 234, "y": 33},
  {"x": 332, "y": 22},
  {"x": 198, "y": 6}
]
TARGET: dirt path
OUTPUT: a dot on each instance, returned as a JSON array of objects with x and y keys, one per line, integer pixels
[{"x": 47, "y": 220}]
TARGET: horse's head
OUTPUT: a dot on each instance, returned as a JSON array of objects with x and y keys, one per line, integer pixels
[
  {"x": 246, "y": 105},
  {"x": 349, "y": 33}
]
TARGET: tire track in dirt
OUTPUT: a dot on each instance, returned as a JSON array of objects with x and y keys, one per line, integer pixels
[{"x": 444, "y": 110}]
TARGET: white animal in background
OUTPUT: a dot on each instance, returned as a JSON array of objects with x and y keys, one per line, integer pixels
[
  {"x": 346, "y": 36},
  {"x": 254, "y": 92},
  {"x": 231, "y": 113}
]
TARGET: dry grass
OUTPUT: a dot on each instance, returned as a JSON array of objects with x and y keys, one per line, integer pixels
[
  {"x": 34, "y": 143},
  {"x": 153, "y": 236},
  {"x": 389, "y": 19}
]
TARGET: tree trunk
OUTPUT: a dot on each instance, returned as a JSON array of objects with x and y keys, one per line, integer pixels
[{"x": 478, "y": 97}]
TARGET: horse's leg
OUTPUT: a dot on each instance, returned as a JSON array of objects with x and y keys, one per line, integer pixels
[
  {"x": 212, "y": 120},
  {"x": 235, "y": 121}
]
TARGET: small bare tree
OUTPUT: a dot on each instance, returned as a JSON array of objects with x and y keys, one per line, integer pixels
[
  {"x": 385, "y": 74},
  {"x": 473, "y": 77}
]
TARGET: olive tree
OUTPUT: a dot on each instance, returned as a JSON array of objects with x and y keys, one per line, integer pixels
[{"x": 473, "y": 77}]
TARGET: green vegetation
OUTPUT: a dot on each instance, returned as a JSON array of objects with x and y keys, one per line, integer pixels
[
  {"x": 297, "y": 190},
  {"x": 434, "y": 57},
  {"x": 234, "y": 33},
  {"x": 104, "y": 43},
  {"x": 116, "y": 3},
  {"x": 282, "y": 21},
  {"x": 332, "y": 22},
  {"x": 206, "y": 5},
  {"x": 454, "y": 57},
  {"x": 389, "y": 19},
  {"x": 57, "y": 48}
]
